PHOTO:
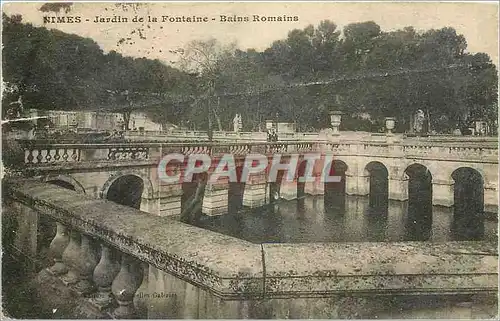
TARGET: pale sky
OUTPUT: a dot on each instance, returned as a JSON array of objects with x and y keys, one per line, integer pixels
[{"x": 478, "y": 22}]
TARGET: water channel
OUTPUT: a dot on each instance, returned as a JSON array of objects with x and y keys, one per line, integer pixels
[{"x": 344, "y": 218}]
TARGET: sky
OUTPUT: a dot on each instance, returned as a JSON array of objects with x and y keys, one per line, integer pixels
[{"x": 478, "y": 22}]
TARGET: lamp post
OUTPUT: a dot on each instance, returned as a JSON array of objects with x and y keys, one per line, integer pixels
[{"x": 335, "y": 120}]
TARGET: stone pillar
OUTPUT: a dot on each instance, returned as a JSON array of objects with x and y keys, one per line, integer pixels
[
  {"x": 398, "y": 189},
  {"x": 170, "y": 200},
  {"x": 396, "y": 220},
  {"x": 491, "y": 197},
  {"x": 442, "y": 220},
  {"x": 125, "y": 285},
  {"x": 443, "y": 192},
  {"x": 357, "y": 185},
  {"x": 57, "y": 247},
  {"x": 215, "y": 200},
  {"x": 288, "y": 190},
  {"x": 256, "y": 195},
  {"x": 256, "y": 191},
  {"x": 104, "y": 274}
]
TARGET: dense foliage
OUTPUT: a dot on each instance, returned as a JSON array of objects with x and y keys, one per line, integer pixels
[{"x": 361, "y": 70}]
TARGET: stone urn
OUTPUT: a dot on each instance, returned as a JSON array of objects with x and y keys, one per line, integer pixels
[
  {"x": 390, "y": 123},
  {"x": 335, "y": 120}
]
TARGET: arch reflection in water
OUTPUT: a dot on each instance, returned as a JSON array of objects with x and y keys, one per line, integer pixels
[
  {"x": 235, "y": 192},
  {"x": 127, "y": 190},
  {"x": 335, "y": 191},
  {"x": 468, "y": 211},
  {"x": 378, "y": 199},
  {"x": 419, "y": 213}
]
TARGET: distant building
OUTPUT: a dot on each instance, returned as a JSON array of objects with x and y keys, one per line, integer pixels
[
  {"x": 282, "y": 127},
  {"x": 94, "y": 120}
]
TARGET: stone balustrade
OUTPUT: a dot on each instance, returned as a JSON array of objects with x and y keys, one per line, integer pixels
[
  {"x": 112, "y": 260},
  {"x": 40, "y": 154}
]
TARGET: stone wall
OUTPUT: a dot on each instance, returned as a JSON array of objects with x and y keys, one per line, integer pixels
[{"x": 188, "y": 272}]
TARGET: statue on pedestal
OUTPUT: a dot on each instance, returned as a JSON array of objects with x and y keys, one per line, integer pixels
[
  {"x": 418, "y": 124},
  {"x": 237, "y": 123}
]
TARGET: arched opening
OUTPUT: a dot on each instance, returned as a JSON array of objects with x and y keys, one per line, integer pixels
[
  {"x": 275, "y": 187},
  {"x": 468, "y": 211},
  {"x": 301, "y": 187},
  {"x": 335, "y": 191},
  {"x": 189, "y": 193},
  {"x": 63, "y": 184},
  {"x": 126, "y": 190},
  {"x": 379, "y": 184},
  {"x": 419, "y": 216},
  {"x": 378, "y": 199},
  {"x": 235, "y": 192}
]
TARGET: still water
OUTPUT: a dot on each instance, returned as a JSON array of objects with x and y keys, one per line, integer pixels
[{"x": 344, "y": 218}]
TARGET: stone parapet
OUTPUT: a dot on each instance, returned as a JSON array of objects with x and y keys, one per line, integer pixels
[{"x": 225, "y": 277}]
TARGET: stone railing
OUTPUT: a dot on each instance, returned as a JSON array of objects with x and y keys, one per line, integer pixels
[
  {"x": 41, "y": 154},
  {"x": 116, "y": 261},
  {"x": 56, "y": 154},
  {"x": 187, "y": 135}
]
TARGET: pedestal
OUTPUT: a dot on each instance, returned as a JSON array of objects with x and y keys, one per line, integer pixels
[
  {"x": 255, "y": 195},
  {"x": 288, "y": 190},
  {"x": 398, "y": 189},
  {"x": 357, "y": 185},
  {"x": 443, "y": 193},
  {"x": 170, "y": 206},
  {"x": 215, "y": 200}
]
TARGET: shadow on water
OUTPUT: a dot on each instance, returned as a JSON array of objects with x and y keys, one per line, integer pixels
[
  {"x": 468, "y": 213},
  {"x": 419, "y": 217},
  {"x": 310, "y": 219}
]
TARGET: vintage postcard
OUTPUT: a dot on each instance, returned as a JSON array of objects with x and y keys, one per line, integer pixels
[{"x": 250, "y": 160}]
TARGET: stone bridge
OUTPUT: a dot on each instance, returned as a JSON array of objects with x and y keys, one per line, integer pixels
[{"x": 99, "y": 169}]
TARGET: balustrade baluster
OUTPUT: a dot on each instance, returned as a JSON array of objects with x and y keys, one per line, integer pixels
[
  {"x": 104, "y": 274},
  {"x": 65, "y": 155},
  {"x": 57, "y": 247},
  {"x": 29, "y": 156},
  {"x": 87, "y": 263},
  {"x": 70, "y": 258},
  {"x": 57, "y": 157},
  {"x": 125, "y": 285},
  {"x": 48, "y": 157},
  {"x": 39, "y": 157}
]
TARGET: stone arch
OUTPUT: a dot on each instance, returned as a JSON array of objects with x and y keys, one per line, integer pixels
[
  {"x": 236, "y": 190},
  {"x": 148, "y": 185},
  {"x": 468, "y": 199},
  {"x": 67, "y": 179},
  {"x": 404, "y": 173},
  {"x": 419, "y": 213}
]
